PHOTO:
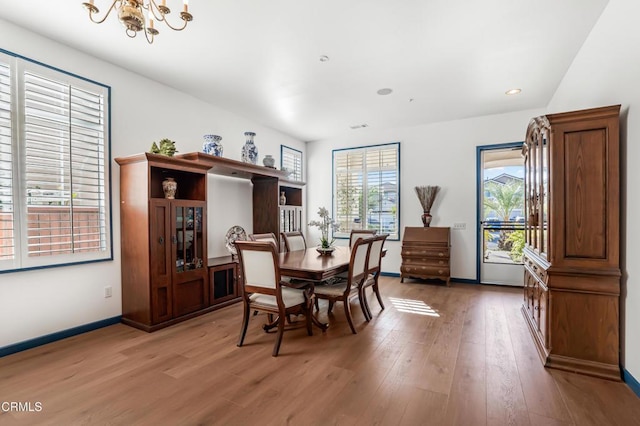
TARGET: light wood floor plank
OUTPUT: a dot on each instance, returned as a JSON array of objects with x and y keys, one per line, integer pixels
[{"x": 459, "y": 355}]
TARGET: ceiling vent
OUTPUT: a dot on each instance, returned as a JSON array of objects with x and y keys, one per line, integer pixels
[{"x": 359, "y": 126}]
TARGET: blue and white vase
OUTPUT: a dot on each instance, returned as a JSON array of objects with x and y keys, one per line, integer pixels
[
  {"x": 212, "y": 145},
  {"x": 249, "y": 150}
]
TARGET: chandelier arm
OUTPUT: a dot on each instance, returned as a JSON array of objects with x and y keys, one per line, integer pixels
[
  {"x": 186, "y": 21},
  {"x": 104, "y": 18},
  {"x": 152, "y": 7},
  {"x": 148, "y": 34}
]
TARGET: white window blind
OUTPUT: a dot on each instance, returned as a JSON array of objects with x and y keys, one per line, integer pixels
[
  {"x": 366, "y": 189},
  {"x": 291, "y": 159},
  {"x": 60, "y": 176},
  {"x": 7, "y": 243}
]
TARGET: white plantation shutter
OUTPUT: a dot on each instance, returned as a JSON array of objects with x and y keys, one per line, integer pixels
[
  {"x": 62, "y": 167},
  {"x": 366, "y": 189},
  {"x": 7, "y": 241},
  {"x": 64, "y": 144},
  {"x": 291, "y": 159}
]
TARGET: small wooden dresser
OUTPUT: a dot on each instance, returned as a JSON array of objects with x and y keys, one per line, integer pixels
[{"x": 425, "y": 253}]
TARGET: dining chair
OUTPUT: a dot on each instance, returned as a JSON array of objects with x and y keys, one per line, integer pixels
[
  {"x": 294, "y": 241},
  {"x": 264, "y": 291},
  {"x": 269, "y": 236},
  {"x": 360, "y": 233},
  {"x": 373, "y": 273},
  {"x": 343, "y": 291}
]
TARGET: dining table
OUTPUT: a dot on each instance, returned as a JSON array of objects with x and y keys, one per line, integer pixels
[{"x": 310, "y": 265}]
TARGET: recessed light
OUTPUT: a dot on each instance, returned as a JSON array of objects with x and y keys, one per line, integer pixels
[
  {"x": 385, "y": 91},
  {"x": 324, "y": 58},
  {"x": 513, "y": 91}
]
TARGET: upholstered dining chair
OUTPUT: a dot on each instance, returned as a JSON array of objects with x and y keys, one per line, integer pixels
[
  {"x": 294, "y": 241},
  {"x": 360, "y": 233},
  {"x": 344, "y": 291},
  {"x": 264, "y": 291},
  {"x": 373, "y": 273},
  {"x": 269, "y": 236}
]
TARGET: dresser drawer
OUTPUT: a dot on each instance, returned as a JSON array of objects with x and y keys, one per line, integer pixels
[
  {"x": 423, "y": 252},
  {"x": 424, "y": 270},
  {"x": 431, "y": 262}
]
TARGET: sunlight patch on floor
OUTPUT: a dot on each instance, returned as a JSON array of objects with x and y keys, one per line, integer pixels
[{"x": 410, "y": 306}]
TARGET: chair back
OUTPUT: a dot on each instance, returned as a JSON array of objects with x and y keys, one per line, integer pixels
[
  {"x": 358, "y": 262},
  {"x": 375, "y": 254},
  {"x": 269, "y": 236},
  {"x": 260, "y": 267},
  {"x": 360, "y": 233},
  {"x": 294, "y": 241}
]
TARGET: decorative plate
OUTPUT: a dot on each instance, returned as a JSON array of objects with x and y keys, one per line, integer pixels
[{"x": 234, "y": 233}]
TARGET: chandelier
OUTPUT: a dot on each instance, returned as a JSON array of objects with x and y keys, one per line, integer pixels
[{"x": 139, "y": 15}]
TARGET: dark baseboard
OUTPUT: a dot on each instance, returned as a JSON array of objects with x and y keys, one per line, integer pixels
[
  {"x": 458, "y": 280},
  {"x": 631, "y": 382},
  {"x": 49, "y": 338},
  {"x": 464, "y": 281}
]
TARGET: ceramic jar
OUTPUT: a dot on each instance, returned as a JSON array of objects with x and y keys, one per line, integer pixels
[
  {"x": 269, "y": 161},
  {"x": 169, "y": 186},
  {"x": 212, "y": 145},
  {"x": 249, "y": 150}
]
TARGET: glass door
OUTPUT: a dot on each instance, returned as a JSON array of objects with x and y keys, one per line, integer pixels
[
  {"x": 189, "y": 238},
  {"x": 501, "y": 213}
]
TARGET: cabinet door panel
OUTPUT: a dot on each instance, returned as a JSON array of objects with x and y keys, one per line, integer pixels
[{"x": 160, "y": 249}]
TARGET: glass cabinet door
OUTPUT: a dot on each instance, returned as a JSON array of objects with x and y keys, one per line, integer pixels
[
  {"x": 189, "y": 241},
  {"x": 544, "y": 193}
]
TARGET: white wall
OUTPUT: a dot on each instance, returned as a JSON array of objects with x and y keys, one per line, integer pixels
[
  {"x": 606, "y": 72},
  {"x": 441, "y": 154},
  {"x": 37, "y": 303}
]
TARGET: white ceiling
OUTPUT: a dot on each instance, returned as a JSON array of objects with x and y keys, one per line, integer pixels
[{"x": 260, "y": 58}]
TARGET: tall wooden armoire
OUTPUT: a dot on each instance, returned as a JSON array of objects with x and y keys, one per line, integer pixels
[{"x": 572, "y": 252}]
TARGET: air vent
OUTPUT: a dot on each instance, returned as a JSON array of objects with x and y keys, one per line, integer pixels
[{"x": 359, "y": 126}]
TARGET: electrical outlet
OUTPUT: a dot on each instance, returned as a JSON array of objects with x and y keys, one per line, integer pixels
[
  {"x": 459, "y": 226},
  {"x": 107, "y": 291}
]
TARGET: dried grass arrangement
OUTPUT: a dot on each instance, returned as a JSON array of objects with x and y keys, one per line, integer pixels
[{"x": 427, "y": 195}]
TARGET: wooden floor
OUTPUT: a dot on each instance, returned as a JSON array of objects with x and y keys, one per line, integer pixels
[{"x": 435, "y": 356}]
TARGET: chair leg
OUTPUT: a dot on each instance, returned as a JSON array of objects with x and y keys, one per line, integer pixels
[
  {"x": 362, "y": 297},
  {"x": 365, "y": 306},
  {"x": 276, "y": 347},
  {"x": 331, "y": 302},
  {"x": 316, "y": 303},
  {"x": 376, "y": 290},
  {"x": 245, "y": 323},
  {"x": 347, "y": 311}
]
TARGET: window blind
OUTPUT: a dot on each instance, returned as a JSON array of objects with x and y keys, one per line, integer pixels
[
  {"x": 7, "y": 242},
  {"x": 291, "y": 159},
  {"x": 366, "y": 189},
  {"x": 64, "y": 145},
  {"x": 54, "y": 175}
]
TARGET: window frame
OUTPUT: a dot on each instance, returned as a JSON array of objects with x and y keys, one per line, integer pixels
[
  {"x": 21, "y": 260},
  {"x": 283, "y": 149},
  {"x": 366, "y": 149}
]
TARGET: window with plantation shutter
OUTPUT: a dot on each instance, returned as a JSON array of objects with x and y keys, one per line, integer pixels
[
  {"x": 291, "y": 159},
  {"x": 7, "y": 243},
  {"x": 366, "y": 189},
  {"x": 56, "y": 186}
]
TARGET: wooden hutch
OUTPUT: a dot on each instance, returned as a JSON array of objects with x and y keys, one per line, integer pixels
[
  {"x": 166, "y": 275},
  {"x": 571, "y": 255}
]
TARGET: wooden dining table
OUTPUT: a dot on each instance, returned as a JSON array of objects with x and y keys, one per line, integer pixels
[{"x": 310, "y": 265}]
